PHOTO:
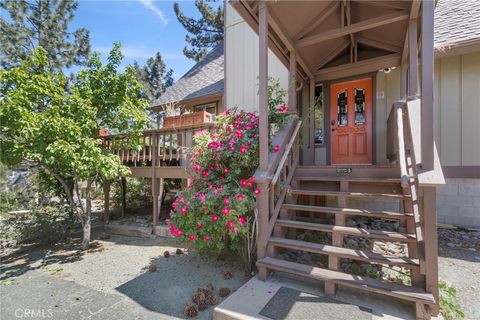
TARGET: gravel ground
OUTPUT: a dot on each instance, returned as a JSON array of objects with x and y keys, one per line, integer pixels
[
  {"x": 118, "y": 266},
  {"x": 459, "y": 267}
]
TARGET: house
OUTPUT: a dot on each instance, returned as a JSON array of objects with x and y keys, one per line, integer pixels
[{"x": 395, "y": 137}]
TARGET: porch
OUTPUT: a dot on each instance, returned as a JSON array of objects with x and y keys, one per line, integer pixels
[{"x": 330, "y": 47}]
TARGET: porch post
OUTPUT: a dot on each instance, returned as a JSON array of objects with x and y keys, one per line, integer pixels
[
  {"x": 311, "y": 124},
  {"x": 263, "y": 83},
  {"x": 427, "y": 85},
  {"x": 292, "y": 85},
  {"x": 262, "y": 199},
  {"x": 403, "y": 81},
  {"x": 412, "y": 58}
]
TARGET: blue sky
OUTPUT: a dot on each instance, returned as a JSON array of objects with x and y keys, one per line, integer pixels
[{"x": 142, "y": 26}]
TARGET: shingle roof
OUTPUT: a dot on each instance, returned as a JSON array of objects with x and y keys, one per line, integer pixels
[
  {"x": 203, "y": 79},
  {"x": 456, "y": 21}
]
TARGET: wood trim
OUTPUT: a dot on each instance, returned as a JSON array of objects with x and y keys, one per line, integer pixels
[
  {"x": 353, "y": 28},
  {"x": 378, "y": 44},
  {"x": 461, "y": 172},
  {"x": 358, "y": 68},
  {"x": 332, "y": 55},
  {"x": 384, "y": 4},
  {"x": 313, "y": 23},
  {"x": 216, "y": 97}
]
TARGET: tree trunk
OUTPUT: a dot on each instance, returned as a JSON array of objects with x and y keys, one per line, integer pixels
[{"x": 87, "y": 228}]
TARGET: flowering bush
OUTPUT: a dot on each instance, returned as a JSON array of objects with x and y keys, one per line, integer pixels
[{"x": 215, "y": 211}]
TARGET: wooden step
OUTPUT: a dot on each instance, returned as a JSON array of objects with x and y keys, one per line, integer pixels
[
  {"x": 346, "y": 178},
  {"x": 350, "y": 194},
  {"x": 358, "y": 232},
  {"x": 344, "y": 252},
  {"x": 391, "y": 289},
  {"x": 351, "y": 212}
]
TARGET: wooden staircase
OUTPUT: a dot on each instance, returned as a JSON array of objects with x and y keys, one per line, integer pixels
[
  {"x": 328, "y": 202},
  {"x": 311, "y": 187}
]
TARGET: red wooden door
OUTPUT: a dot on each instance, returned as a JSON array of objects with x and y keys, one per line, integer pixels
[{"x": 351, "y": 122}]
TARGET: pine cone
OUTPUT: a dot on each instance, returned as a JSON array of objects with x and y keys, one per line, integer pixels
[
  {"x": 179, "y": 251},
  {"x": 223, "y": 292},
  {"x": 198, "y": 296},
  {"x": 166, "y": 254},
  {"x": 152, "y": 267},
  {"x": 227, "y": 275},
  {"x": 190, "y": 311},
  {"x": 202, "y": 304},
  {"x": 212, "y": 299}
]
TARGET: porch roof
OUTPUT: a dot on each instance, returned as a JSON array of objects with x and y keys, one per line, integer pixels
[{"x": 334, "y": 39}]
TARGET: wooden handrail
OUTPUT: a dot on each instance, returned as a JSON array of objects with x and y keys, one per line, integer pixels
[
  {"x": 401, "y": 145},
  {"x": 286, "y": 153}
]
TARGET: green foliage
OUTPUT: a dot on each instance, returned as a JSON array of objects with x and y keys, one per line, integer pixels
[
  {"x": 154, "y": 77},
  {"x": 43, "y": 224},
  {"x": 449, "y": 306},
  {"x": 42, "y": 122},
  {"x": 139, "y": 193},
  {"x": 42, "y": 23},
  {"x": 277, "y": 107},
  {"x": 204, "y": 33}
]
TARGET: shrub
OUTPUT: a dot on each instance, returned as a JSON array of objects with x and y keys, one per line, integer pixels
[
  {"x": 138, "y": 195},
  {"x": 449, "y": 306},
  {"x": 215, "y": 211},
  {"x": 43, "y": 224}
]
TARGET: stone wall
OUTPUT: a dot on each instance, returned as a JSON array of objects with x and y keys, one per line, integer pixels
[{"x": 458, "y": 203}]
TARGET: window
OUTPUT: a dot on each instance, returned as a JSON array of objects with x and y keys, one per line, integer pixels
[
  {"x": 318, "y": 116},
  {"x": 209, "y": 107},
  {"x": 359, "y": 106},
  {"x": 342, "y": 109}
]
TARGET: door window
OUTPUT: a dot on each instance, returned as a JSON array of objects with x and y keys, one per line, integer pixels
[
  {"x": 359, "y": 106},
  {"x": 342, "y": 119}
]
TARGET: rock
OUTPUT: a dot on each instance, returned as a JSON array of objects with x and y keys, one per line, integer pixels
[
  {"x": 472, "y": 249},
  {"x": 451, "y": 245}
]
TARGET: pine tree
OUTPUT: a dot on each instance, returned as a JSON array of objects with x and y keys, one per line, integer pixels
[
  {"x": 154, "y": 76},
  {"x": 41, "y": 23},
  {"x": 204, "y": 33}
]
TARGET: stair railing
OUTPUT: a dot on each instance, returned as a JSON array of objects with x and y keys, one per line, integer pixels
[
  {"x": 274, "y": 182},
  {"x": 402, "y": 149}
]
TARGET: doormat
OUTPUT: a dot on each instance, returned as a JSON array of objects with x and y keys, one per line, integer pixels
[{"x": 291, "y": 304}]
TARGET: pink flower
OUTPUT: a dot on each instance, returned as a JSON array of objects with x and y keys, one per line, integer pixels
[
  {"x": 226, "y": 211},
  {"x": 225, "y": 170},
  {"x": 214, "y": 218},
  {"x": 178, "y": 233},
  {"x": 240, "y": 197},
  {"x": 243, "y": 149},
  {"x": 192, "y": 237},
  {"x": 239, "y": 134},
  {"x": 242, "y": 220},
  {"x": 276, "y": 148},
  {"x": 257, "y": 191},
  {"x": 183, "y": 210},
  {"x": 204, "y": 208},
  {"x": 252, "y": 179},
  {"x": 244, "y": 182},
  {"x": 205, "y": 173},
  {"x": 226, "y": 201},
  {"x": 199, "y": 226},
  {"x": 207, "y": 238},
  {"x": 235, "y": 230},
  {"x": 230, "y": 224},
  {"x": 197, "y": 167}
]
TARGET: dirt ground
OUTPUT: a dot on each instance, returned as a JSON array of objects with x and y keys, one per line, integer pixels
[
  {"x": 115, "y": 270},
  {"x": 111, "y": 280}
]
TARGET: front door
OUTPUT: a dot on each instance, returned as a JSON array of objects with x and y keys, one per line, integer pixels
[{"x": 351, "y": 122}]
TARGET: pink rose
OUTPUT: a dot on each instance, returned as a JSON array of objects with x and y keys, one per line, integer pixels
[{"x": 214, "y": 218}]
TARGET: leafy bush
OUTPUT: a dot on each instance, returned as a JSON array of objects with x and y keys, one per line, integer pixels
[
  {"x": 215, "y": 211},
  {"x": 43, "y": 224},
  {"x": 138, "y": 195},
  {"x": 449, "y": 306}
]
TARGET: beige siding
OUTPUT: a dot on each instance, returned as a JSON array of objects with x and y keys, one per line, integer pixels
[
  {"x": 457, "y": 109},
  {"x": 241, "y": 63}
]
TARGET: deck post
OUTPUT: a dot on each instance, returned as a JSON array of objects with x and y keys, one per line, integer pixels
[
  {"x": 106, "y": 204},
  {"x": 431, "y": 243},
  {"x": 311, "y": 123},
  {"x": 292, "y": 85},
  {"x": 123, "y": 182},
  {"x": 155, "y": 194},
  {"x": 412, "y": 58},
  {"x": 427, "y": 85},
  {"x": 262, "y": 199}
]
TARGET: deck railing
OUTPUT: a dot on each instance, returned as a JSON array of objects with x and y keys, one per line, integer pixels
[
  {"x": 274, "y": 181},
  {"x": 166, "y": 146}
]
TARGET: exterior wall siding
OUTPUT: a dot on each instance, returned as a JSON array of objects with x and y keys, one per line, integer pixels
[{"x": 241, "y": 62}]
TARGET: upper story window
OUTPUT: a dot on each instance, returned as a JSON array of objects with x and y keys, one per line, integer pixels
[{"x": 208, "y": 107}]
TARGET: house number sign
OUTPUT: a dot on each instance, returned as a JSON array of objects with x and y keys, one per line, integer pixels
[{"x": 344, "y": 170}]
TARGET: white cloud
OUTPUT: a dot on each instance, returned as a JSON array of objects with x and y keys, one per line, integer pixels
[{"x": 152, "y": 7}]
